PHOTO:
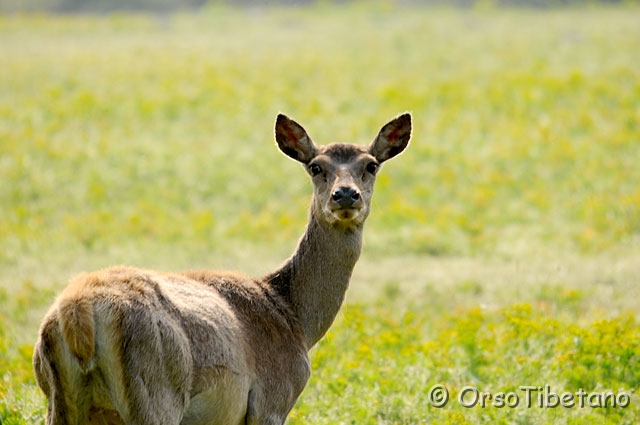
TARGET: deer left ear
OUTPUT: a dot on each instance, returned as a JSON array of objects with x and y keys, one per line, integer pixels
[
  {"x": 293, "y": 140},
  {"x": 392, "y": 139}
]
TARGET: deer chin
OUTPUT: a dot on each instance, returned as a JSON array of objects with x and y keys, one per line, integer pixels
[{"x": 345, "y": 216}]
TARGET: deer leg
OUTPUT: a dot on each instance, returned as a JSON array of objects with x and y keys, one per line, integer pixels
[
  {"x": 60, "y": 377},
  {"x": 155, "y": 368},
  {"x": 261, "y": 412}
]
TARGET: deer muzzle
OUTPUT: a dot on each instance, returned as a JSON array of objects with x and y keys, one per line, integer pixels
[{"x": 346, "y": 197}]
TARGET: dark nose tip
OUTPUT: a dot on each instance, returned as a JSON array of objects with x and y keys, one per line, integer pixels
[{"x": 345, "y": 197}]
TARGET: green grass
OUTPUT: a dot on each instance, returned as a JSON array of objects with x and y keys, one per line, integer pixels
[{"x": 503, "y": 246}]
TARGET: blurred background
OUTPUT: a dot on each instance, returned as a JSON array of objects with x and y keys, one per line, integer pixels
[
  {"x": 503, "y": 247},
  {"x": 74, "y": 6}
]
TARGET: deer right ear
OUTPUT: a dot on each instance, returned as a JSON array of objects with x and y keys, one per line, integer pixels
[
  {"x": 392, "y": 139},
  {"x": 293, "y": 140}
]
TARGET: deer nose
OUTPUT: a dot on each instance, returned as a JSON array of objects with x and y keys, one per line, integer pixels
[{"x": 345, "y": 197}]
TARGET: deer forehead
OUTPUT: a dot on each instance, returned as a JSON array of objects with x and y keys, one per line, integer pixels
[
  {"x": 343, "y": 152},
  {"x": 342, "y": 157}
]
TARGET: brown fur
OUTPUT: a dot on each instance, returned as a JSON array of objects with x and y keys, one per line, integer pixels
[
  {"x": 132, "y": 346},
  {"x": 75, "y": 315}
]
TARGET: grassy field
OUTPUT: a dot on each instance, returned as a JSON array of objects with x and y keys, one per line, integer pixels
[{"x": 503, "y": 249}]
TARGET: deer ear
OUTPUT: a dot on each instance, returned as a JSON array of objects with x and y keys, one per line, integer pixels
[
  {"x": 392, "y": 139},
  {"x": 293, "y": 140}
]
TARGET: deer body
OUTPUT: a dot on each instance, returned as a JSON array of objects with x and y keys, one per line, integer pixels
[{"x": 132, "y": 346}]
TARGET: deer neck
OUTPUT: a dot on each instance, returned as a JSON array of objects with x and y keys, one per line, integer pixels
[{"x": 315, "y": 278}]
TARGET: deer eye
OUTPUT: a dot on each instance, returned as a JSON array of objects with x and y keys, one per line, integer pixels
[
  {"x": 315, "y": 169},
  {"x": 372, "y": 167}
]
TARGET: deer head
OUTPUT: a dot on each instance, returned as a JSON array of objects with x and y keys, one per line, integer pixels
[{"x": 343, "y": 175}]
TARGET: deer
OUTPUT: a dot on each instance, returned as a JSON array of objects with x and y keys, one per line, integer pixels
[{"x": 126, "y": 345}]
